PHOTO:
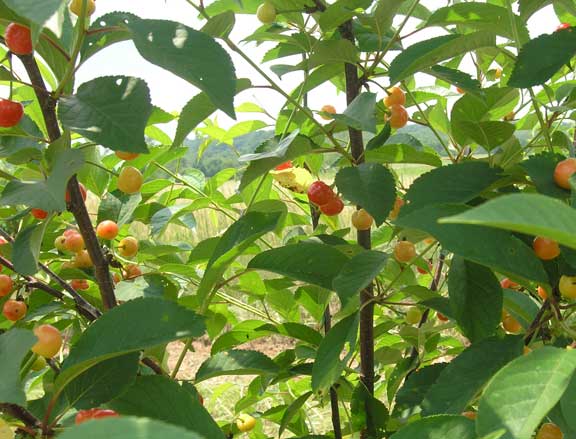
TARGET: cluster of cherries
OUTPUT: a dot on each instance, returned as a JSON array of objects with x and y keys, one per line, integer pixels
[
  {"x": 322, "y": 195},
  {"x": 395, "y": 100},
  {"x": 18, "y": 39}
]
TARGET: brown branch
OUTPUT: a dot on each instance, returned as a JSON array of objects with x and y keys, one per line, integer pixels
[
  {"x": 76, "y": 205},
  {"x": 82, "y": 305},
  {"x": 353, "y": 86},
  {"x": 336, "y": 424},
  {"x": 21, "y": 414}
]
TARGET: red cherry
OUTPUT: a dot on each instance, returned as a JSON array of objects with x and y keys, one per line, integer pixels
[
  {"x": 563, "y": 26},
  {"x": 18, "y": 39},
  {"x": 82, "y": 191},
  {"x": 39, "y": 214},
  {"x": 90, "y": 414},
  {"x": 320, "y": 193},
  {"x": 333, "y": 207},
  {"x": 423, "y": 270},
  {"x": 10, "y": 113},
  {"x": 441, "y": 317},
  {"x": 285, "y": 165},
  {"x": 79, "y": 284}
]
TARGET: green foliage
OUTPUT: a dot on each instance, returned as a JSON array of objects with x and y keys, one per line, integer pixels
[
  {"x": 543, "y": 374},
  {"x": 244, "y": 295},
  {"x": 15, "y": 345}
]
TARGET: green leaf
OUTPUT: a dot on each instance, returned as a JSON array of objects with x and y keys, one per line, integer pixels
[
  {"x": 438, "y": 427},
  {"x": 26, "y": 249},
  {"x": 496, "y": 249},
  {"x": 416, "y": 386},
  {"x": 400, "y": 153},
  {"x": 488, "y": 134},
  {"x": 357, "y": 274},
  {"x": 472, "y": 113},
  {"x": 189, "y": 54},
  {"x": 103, "y": 110},
  {"x": 107, "y": 30},
  {"x": 425, "y": 54},
  {"x": 368, "y": 412},
  {"x": 249, "y": 330},
  {"x": 162, "y": 399},
  {"x": 198, "y": 109},
  {"x": 49, "y": 194},
  {"x": 542, "y": 57},
  {"x": 521, "y": 306},
  {"x": 532, "y": 214},
  {"x": 540, "y": 168},
  {"x": 385, "y": 12},
  {"x": 370, "y": 186},
  {"x": 277, "y": 152},
  {"x": 292, "y": 411},
  {"x": 360, "y": 114},
  {"x": 95, "y": 178},
  {"x": 103, "y": 382},
  {"x": 34, "y": 11},
  {"x": 236, "y": 362},
  {"x": 14, "y": 346},
  {"x": 161, "y": 219},
  {"x": 127, "y": 427},
  {"x": 239, "y": 236},
  {"x": 220, "y": 25},
  {"x": 333, "y": 52},
  {"x": 379, "y": 139},
  {"x": 118, "y": 207},
  {"x": 468, "y": 373},
  {"x": 148, "y": 285},
  {"x": 568, "y": 403},
  {"x": 480, "y": 16},
  {"x": 457, "y": 183},
  {"x": 543, "y": 375},
  {"x": 457, "y": 78},
  {"x": 328, "y": 364},
  {"x": 475, "y": 298},
  {"x": 339, "y": 12},
  {"x": 310, "y": 262},
  {"x": 143, "y": 323}
]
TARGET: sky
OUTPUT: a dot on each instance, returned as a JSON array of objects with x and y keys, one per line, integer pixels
[{"x": 171, "y": 93}]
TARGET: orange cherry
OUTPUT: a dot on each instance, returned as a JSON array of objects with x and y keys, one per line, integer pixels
[
  {"x": 126, "y": 155},
  {"x": 404, "y": 251},
  {"x": 564, "y": 171},
  {"x": 395, "y": 97},
  {"x": 398, "y": 116},
  {"x": 49, "y": 341},
  {"x": 546, "y": 249},
  {"x": 14, "y": 310},
  {"x": 327, "y": 109}
]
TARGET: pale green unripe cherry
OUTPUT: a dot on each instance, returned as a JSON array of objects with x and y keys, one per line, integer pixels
[
  {"x": 413, "y": 316},
  {"x": 266, "y": 13}
]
